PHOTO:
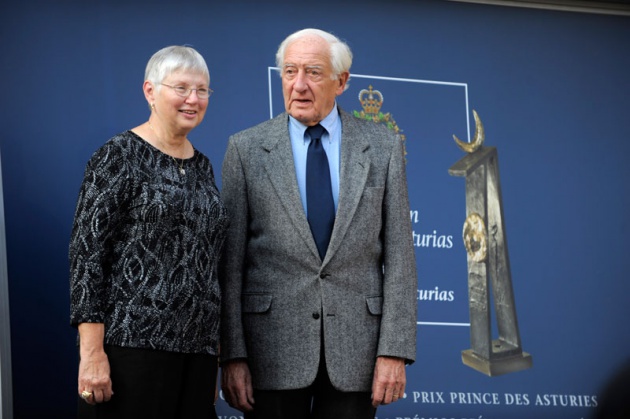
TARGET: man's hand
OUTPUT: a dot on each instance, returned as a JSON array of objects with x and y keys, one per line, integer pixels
[
  {"x": 389, "y": 380},
  {"x": 236, "y": 383}
]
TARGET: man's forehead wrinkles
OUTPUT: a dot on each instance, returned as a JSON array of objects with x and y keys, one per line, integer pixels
[{"x": 304, "y": 65}]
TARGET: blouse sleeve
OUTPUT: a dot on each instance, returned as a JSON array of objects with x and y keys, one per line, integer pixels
[{"x": 99, "y": 209}]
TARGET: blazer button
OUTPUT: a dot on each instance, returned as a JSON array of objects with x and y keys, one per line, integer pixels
[
  {"x": 323, "y": 275},
  {"x": 316, "y": 315}
]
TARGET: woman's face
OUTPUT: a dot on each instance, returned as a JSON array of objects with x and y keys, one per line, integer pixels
[{"x": 177, "y": 113}]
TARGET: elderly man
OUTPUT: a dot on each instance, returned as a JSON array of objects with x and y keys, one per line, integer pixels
[{"x": 318, "y": 275}]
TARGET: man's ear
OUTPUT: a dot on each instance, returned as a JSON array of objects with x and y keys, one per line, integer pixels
[{"x": 342, "y": 79}]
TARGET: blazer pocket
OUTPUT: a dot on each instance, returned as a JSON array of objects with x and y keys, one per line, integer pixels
[
  {"x": 375, "y": 305},
  {"x": 256, "y": 303}
]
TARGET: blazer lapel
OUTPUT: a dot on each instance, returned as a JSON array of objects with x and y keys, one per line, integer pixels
[
  {"x": 354, "y": 169},
  {"x": 281, "y": 171}
]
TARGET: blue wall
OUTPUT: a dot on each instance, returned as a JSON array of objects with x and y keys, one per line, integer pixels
[{"x": 552, "y": 91}]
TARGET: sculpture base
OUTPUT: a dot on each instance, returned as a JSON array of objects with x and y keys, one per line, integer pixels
[{"x": 497, "y": 365}]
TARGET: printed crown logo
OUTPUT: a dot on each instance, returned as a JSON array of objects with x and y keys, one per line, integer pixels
[{"x": 371, "y": 100}]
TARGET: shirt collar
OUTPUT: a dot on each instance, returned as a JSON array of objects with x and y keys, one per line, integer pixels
[{"x": 330, "y": 123}]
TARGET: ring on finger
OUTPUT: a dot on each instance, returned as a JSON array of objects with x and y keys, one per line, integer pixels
[{"x": 85, "y": 395}]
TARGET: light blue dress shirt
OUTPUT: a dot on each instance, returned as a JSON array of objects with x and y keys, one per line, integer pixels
[{"x": 331, "y": 141}]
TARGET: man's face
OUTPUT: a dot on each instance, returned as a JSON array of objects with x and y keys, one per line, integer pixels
[{"x": 307, "y": 84}]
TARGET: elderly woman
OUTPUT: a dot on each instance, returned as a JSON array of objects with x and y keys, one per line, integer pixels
[{"x": 148, "y": 231}]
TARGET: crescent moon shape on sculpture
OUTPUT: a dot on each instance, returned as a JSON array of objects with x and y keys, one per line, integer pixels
[{"x": 477, "y": 141}]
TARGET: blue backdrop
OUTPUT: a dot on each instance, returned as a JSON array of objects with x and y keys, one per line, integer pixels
[{"x": 550, "y": 87}]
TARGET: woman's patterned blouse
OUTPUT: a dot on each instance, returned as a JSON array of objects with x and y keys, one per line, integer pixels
[{"x": 145, "y": 248}]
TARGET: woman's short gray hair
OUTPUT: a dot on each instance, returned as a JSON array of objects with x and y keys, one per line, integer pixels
[
  {"x": 174, "y": 58},
  {"x": 340, "y": 53}
]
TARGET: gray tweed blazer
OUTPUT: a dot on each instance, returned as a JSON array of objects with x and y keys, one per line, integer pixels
[{"x": 279, "y": 298}]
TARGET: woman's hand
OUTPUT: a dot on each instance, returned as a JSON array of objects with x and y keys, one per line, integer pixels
[{"x": 95, "y": 384}]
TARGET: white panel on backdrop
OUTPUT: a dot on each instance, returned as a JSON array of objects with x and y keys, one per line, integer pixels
[{"x": 411, "y": 101}]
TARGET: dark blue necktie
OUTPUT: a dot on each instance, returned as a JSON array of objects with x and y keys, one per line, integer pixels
[{"x": 319, "y": 198}]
